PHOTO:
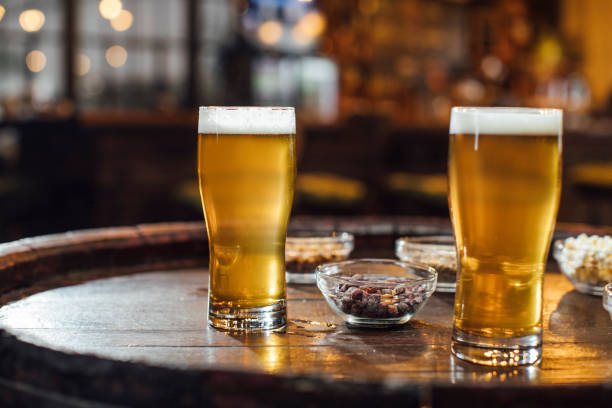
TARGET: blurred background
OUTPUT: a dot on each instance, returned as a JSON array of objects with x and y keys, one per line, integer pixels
[{"x": 98, "y": 99}]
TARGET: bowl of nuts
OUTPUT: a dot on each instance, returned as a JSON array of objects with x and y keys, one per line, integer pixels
[
  {"x": 306, "y": 250},
  {"x": 436, "y": 251},
  {"x": 376, "y": 292},
  {"x": 586, "y": 261}
]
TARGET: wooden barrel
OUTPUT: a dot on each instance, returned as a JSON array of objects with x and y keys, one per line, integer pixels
[{"x": 117, "y": 317}]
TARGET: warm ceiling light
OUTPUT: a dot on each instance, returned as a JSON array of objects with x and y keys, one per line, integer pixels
[
  {"x": 31, "y": 20},
  {"x": 308, "y": 28},
  {"x": 299, "y": 37},
  {"x": 2, "y": 10},
  {"x": 36, "y": 61},
  {"x": 123, "y": 21},
  {"x": 270, "y": 32},
  {"x": 83, "y": 64},
  {"x": 313, "y": 24},
  {"x": 110, "y": 9},
  {"x": 116, "y": 56}
]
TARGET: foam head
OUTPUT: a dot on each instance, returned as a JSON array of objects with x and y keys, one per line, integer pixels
[
  {"x": 246, "y": 120},
  {"x": 506, "y": 121}
]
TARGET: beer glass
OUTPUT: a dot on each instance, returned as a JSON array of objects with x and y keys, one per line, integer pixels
[
  {"x": 504, "y": 169},
  {"x": 246, "y": 168}
]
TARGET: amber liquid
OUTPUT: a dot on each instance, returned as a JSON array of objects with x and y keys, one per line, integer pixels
[
  {"x": 246, "y": 186},
  {"x": 503, "y": 196}
]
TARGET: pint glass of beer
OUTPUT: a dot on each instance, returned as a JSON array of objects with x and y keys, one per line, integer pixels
[
  {"x": 246, "y": 167},
  {"x": 504, "y": 171}
]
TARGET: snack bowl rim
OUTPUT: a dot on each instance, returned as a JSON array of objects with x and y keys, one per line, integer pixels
[
  {"x": 321, "y": 273},
  {"x": 417, "y": 238},
  {"x": 413, "y": 243},
  {"x": 334, "y": 237}
]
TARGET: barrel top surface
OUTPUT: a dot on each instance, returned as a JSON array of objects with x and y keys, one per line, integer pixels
[
  {"x": 118, "y": 316},
  {"x": 159, "y": 318}
]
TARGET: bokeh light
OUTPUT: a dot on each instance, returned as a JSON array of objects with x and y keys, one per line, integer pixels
[
  {"x": 492, "y": 67},
  {"x": 299, "y": 37},
  {"x": 308, "y": 28},
  {"x": 83, "y": 64},
  {"x": 123, "y": 21},
  {"x": 110, "y": 9},
  {"x": 31, "y": 20},
  {"x": 313, "y": 23},
  {"x": 36, "y": 61},
  {"x": 2, "y": 10},
  {"x": 270, "y": 32},
  {"x": 116, "y": 56}
]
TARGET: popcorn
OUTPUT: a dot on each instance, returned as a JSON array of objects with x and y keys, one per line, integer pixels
[{"x": 587, "y": 259}]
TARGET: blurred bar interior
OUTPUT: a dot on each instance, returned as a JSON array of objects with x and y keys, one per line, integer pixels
[{"x": 98, "y": 99}]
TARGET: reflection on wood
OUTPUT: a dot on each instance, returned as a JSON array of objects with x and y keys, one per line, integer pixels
[
  {"x": 159, "y": 318},
  {"x": 84, "y": 326}
]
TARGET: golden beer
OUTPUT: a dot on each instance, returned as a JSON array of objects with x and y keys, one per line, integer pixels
[
  {"x": 504, "y": 185},
  {"x": 247, "y": 172}
]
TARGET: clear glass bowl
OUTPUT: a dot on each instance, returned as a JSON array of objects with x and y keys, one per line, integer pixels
[
  {"x": 607, "y": 298},
  {"x": 437, "y": 251},
  {"x": 304, "y": 251},
  {"x": 586, "y": 261},
  {"x": 376, "y": 292}
]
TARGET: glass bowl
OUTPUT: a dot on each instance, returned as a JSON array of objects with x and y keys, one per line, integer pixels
[
  {"x": 376, "y": 292},
  {"x": 437, "y": 251},
  {"x": 607, "y": 298},
  {"x": 586, "y": 261},
  {"x": 304, "y": 251}
]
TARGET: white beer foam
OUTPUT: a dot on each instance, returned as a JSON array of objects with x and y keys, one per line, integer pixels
[
  {"x": 506, "y": 121},
  {"x": 246, "y": 120}
]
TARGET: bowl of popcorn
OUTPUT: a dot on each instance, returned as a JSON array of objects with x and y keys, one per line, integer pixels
[
  {"x": 586, "y": 261},
  {"x": 376, "y": 293},
  {"x": 306, "y": 250}
]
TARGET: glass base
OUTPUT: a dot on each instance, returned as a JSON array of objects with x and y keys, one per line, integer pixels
[
  {"x": 498, "y": 352},
  {"x": 248, "y": 319}
]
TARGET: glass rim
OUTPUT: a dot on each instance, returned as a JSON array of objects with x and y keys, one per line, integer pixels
[
  {"x": 506, "y": 121},
  {"x": 252, "y": 120},
  {"x": 279, "y": 108},
  {"x": 506, "y": 109}
]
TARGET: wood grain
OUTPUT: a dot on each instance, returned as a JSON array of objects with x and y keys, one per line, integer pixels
[
  {"x": 159, "y": 318},
  {"x": 118, "y": 317}
]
